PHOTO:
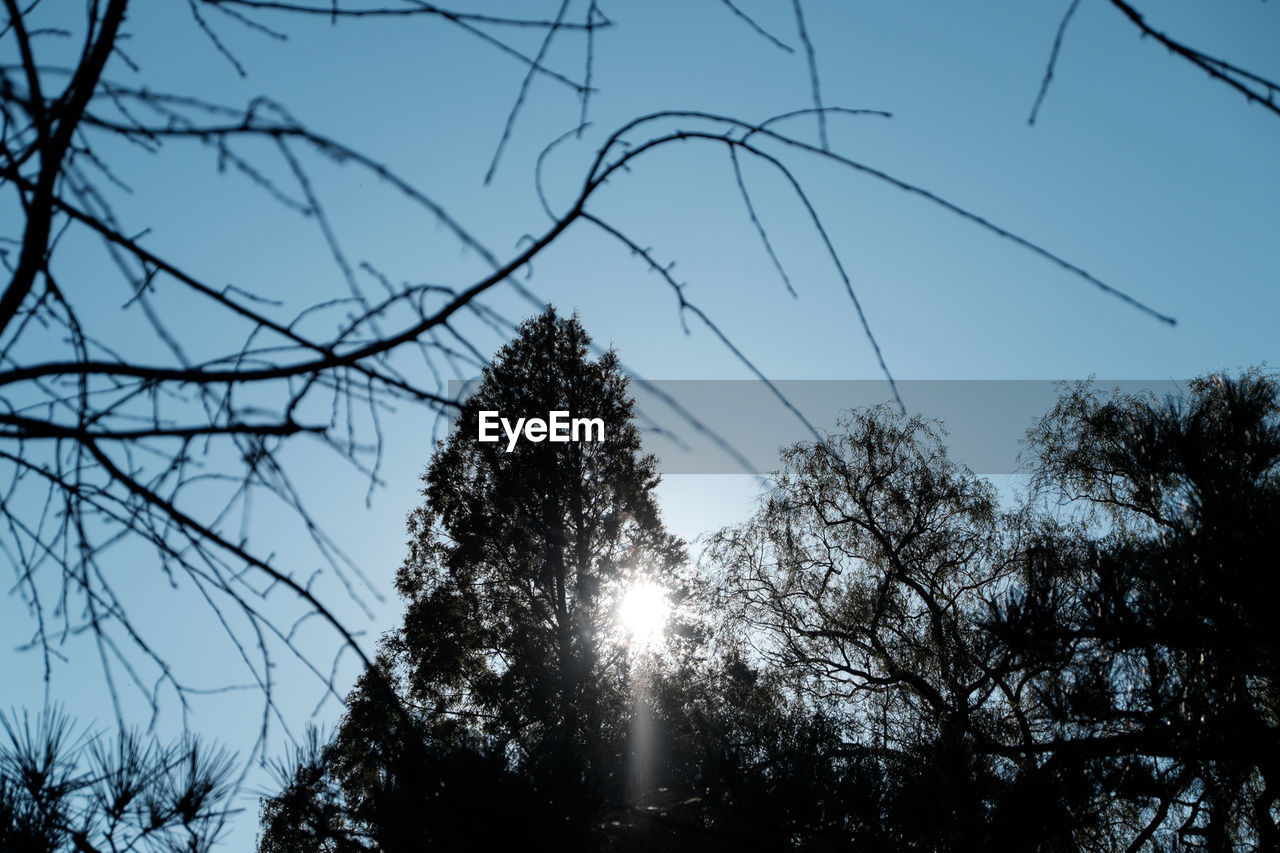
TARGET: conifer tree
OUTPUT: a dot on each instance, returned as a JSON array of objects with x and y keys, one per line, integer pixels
[{"x": 511, "y": 676}]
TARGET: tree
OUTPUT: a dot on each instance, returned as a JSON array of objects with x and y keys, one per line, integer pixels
[
  {"x": 510, "y": 664},
  {"x": 907, "y": 664},
  {"x": 105, "y": 419},
  {"x": 866, "y": 577},
  {"x": 1092, "y": 669},
  {"x": 1160, "y": 627},
  {"x": 168, "y": 425},
  {"x": 750, "y": 765}
]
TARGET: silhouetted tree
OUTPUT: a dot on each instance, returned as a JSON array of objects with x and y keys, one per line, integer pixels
[
  {"x": 1160, "y": 628},
  {"x": 1092, "y": 670},
  {"x": 164, "y": 425},
  {"x": 900, "y": 662},
  {"x": 867, "y": 576},
  {"x": 749, "y": 765},
  {"x": 510, "y": 667}
]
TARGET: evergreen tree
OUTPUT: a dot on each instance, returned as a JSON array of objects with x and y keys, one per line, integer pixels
[{"x": 510, "y": 676}]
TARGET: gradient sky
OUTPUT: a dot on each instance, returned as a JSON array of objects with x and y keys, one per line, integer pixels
[{"x": 1139, "y": 169}]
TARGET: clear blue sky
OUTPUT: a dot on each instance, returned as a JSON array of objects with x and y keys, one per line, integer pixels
[{"x": 1139, "y": 169}]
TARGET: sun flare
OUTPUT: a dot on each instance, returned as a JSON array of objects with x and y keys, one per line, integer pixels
[{"x": 643, "y": 613}]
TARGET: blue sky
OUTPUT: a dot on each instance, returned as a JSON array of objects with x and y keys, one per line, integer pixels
[{"x": 1140, "y": 169}]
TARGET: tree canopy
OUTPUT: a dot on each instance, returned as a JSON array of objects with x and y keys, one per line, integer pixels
[
  {"x": 887, "y": 655},
  {"x": 1153, "y": 636},
  {"x": 1092, "y": 668},
  {"x": 165, "y": 424},
  {"x": 510, "y": 665}
]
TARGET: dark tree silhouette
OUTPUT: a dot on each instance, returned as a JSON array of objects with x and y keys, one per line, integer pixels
[
  {"x": 889, "y": 660},
  {"x": 747, "y": 764},
  {"x": 866, "y": 577},
  {"x": 1161, "y": 632},
  {"x": 1094, "y": 670},
  {"x": 166, "y": 425},
  {"x": 518, "y": 686},
  {"x": 511, "y": 668}
]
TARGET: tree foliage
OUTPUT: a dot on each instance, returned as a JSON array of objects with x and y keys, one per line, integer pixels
[
  {"x": 867, "y": 576},
  {"x": 1160, "y": 634},
  {"x": 510, "y": 667},
  {"x": 161, "y": 429},
  {"x": 890, "y": 656},
  {"x": 64, "y": 789},
  {"x": 1093, "y": 669}
]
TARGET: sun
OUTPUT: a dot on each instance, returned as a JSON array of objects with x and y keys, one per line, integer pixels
[{"x": 643, "y": 612}]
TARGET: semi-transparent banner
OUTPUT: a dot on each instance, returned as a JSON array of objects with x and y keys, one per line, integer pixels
[{"x": 728, "y": 426}]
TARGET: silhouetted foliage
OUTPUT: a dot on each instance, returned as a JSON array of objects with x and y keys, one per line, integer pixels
[
  {"x": 1094, "y": 669},
  {"x": 511, "y": 677},
  {"x": 1158, "y": 636},
  {"x": 117, "y": 431},
  {"x": 866, "y": 577},
  {"x": 890, "y": 658},
  {"x": 65, "y": 790}
]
